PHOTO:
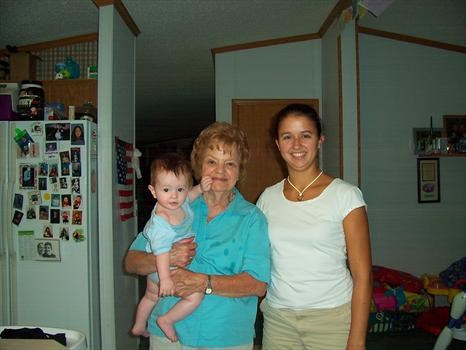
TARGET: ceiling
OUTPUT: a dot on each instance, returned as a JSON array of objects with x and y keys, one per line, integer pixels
[{"x": 175, "y": 92}]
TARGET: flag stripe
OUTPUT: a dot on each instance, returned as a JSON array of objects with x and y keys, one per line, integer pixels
[{"x": 125, "y": 180}]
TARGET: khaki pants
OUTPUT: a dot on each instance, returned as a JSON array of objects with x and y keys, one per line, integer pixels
[
  {"x": 159, "y": 343},
  {"x": 318, "y": 329}
]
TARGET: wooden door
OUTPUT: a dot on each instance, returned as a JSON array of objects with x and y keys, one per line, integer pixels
[{"x": 265, "y": 166}]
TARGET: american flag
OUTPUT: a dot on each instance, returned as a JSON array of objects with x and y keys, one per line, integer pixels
[{"x": 125, "y": 179}]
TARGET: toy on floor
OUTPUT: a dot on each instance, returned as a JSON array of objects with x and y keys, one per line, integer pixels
[{"x": 456, "y": 328}]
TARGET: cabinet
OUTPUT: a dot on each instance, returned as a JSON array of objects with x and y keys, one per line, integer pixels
[{"x": 71, "y": 92}]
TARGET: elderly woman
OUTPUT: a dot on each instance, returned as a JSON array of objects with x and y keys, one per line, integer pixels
[{"x": 232, "y": 261}]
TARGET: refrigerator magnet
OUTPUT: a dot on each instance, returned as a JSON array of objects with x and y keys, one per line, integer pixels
[
  {"x": 43, "y": 184},
  {"x": 31, "y": 213},
  {"x": 66, "y": 200},
  {"x": 43, "y": 169},
  {"x": 57, "y": 132},
  {"x": 65, "y": 163},
  {"x": 34, "y": 197},
  {"x": 43, "y": 212},
  {"x": 53, "y": 184},
  {"x": 18, "y": 201},
  {"x": 53, "y": 169},
  {"x": 63, "y": 183},
  {"x": 64, "y": 234},
  {"x": 77, "y": 134},
  {"x": 76, "y": 169},
  {"x": 25, "y": 244},
  {"x": 76, "y": 218},
  {"x": 36, "y": 128},
  {"x": 65, "y": 216},
  {"x": 48, "y": 231},
  {"x": 17, "y": 217},
  {"x": 77, "y": 201},
  {"x": 75, "y": 185},
  {"x": 27, "y": 176},
  {"x": 75, "y": 155},
  {"x": 47, "y": 250},
  {"x": 78, "y": 235},
  {"x": 55, "y": 201},
  {"x": 51, "y": 149},
  {"x": 54, "y": 216}
]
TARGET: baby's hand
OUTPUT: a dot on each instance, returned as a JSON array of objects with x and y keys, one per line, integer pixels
[
  {"x": 206, "y": 183},
  {"x": 167, "y": 287}
]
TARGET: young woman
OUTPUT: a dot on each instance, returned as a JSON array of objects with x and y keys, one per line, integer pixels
[{"x": 319, "y": 295}]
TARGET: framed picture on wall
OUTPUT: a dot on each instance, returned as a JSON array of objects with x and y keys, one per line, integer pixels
[
  {"x": 454, "y": 128},
  {"x": 421, "y": 137},
  {"x": 428, "y": 180}
]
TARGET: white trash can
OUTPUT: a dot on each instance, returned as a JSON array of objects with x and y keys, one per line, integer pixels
[{"x": 75, "y": 340}]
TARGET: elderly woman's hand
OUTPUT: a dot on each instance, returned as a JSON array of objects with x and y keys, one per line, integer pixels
[
  {"x": 182, "y": 252},
  {"x": 188, "y": 282}
]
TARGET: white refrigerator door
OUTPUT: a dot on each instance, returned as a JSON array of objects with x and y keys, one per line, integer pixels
[
  {"x": 58, "y": 290},
  {"x": 5, "y": 220}
]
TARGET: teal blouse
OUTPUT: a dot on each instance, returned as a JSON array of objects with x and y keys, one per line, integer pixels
[{"x": 235, "y": 241}]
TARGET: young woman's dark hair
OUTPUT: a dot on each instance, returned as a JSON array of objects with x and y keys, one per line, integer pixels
[{"x": 300, "y": 109}]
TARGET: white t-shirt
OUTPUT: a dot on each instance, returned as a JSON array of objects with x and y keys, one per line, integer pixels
[{"x": 309, "y": 269}]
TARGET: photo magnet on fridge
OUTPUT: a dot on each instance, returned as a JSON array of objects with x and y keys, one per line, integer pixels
[
  {"x": 27, "y": 176},
  {"x": 18, "y": 201},
  {"x": 31, "y": 213},
  {"x": 17, "y": 217},
  {"x": 34, "y": 197},
  {"x": 64, "y": 234}
]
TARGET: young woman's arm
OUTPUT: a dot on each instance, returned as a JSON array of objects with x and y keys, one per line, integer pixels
[{"x": 356, "y": 229}]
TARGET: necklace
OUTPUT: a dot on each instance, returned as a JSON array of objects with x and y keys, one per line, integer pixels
[{"x": 301, "y": 193}]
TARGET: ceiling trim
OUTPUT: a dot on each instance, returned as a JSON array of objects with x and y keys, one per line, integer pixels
[
  {"x": 55, "y": 43},
  {"x": 262, "y": 43},
  {"x": 334, "y": 14},
  {"x": 120, "y": 7},
  {"x": 412, "y": 39}
]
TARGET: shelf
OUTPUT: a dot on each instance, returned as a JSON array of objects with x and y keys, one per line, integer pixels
[
  {"x": 71, "y": 92},
  {"x": 442, "y": 155}
]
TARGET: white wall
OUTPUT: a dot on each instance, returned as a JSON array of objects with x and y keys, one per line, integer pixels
[
  {"x": 116, "y": 118},
  {"x": 401, "y": 86},
  {"x": 345, "y": 33},
  {"x": 330, "y": 100},
  {"x": 282, "y": 71}
]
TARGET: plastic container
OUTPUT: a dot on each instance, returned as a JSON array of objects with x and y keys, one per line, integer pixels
[
  {"x": 74, "y": 340},
  {"x": 392, "y": 322},
  {"x": 31, "y": 100}
]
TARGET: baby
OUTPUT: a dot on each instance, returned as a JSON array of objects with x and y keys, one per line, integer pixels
[{"x": 171, "y": 220}]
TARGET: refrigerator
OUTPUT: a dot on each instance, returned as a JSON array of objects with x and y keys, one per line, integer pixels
[{"x": 49, "y": 239}]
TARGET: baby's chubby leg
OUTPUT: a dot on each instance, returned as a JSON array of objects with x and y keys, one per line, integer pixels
[{"x": 144, "y": 309}]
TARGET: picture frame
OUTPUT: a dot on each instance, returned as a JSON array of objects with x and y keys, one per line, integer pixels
[
  {"x": 421, "y": 137},
  {"x": 47, "y": 250},
  {"x": 454, "y": 129},
  {"x": 428, "y": 180}
]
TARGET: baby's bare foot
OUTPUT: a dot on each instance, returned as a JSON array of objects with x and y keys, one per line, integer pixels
[
  {"x": 167, "y": 327},
  {"x": 138, "y": 330}
]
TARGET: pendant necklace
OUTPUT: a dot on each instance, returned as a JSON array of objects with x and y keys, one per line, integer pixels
[{"x": 301, "y": 193}]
